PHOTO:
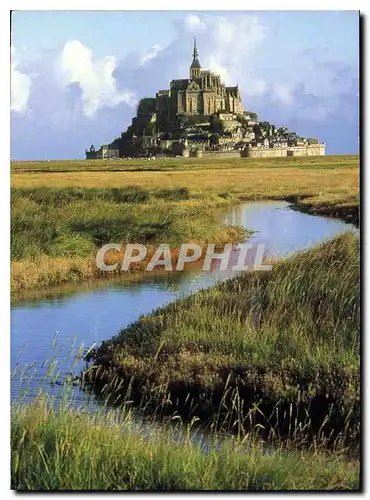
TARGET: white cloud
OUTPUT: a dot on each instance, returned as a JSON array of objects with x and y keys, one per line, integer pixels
[
  {"x": 193, "y": 23},
  {"x": 152, "y": 54},
  {"x": 76, "y": 64},
  {"x": 20, "y": 86},
  {"x": 227, "y": 46}
]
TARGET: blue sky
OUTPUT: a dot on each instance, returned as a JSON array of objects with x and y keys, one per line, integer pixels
[{"x": 76, "y": 76}]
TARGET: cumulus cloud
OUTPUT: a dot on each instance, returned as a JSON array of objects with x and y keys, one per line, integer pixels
[
  {"x": 192, "y": 23},
  {"x": 77, "y": 64},
  {"x": 148, "y": 56},
  {"x": 336, "y": 98},
  {"x": 20, "y": 86},
  {"x": 228, "y": 45}
]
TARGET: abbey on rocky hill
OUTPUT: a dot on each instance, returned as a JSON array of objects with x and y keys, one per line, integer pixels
[{"x": 200, "y": 116}]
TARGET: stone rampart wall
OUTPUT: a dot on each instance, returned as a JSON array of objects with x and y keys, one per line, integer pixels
[{"x": 310, "y": 150}]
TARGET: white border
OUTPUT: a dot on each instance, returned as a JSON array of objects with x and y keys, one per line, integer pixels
[
  {"x": 4, "y": 173},
  {"x": 191, "y": 5}
]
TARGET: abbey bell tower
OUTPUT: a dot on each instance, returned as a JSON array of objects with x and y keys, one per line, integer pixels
[
  {"x": 195, "y": 67},
  {"x": 201, "y": 94}
]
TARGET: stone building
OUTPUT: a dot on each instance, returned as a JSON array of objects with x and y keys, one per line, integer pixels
[
  {"x": 202, "y": 93},
  {"x": 104, "y": 152}
]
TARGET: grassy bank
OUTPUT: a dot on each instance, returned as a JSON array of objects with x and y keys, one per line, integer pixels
[
  {"x": 279, "y": 349},
  {"x": 71, "y": 451},
  {"x": 60, "y": 218},
  {"x": 56, "y": 232}
]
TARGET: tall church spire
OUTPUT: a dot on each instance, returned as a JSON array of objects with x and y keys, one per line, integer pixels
[
  {"x": 195, "y": 65},
  {"x": 195, "y": 52}
]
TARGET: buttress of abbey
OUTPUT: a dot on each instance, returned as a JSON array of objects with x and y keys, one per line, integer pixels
[{"x": 202, "y": 93}]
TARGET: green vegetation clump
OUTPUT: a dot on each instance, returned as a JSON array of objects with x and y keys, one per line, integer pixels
[
  {"x": 73, "y": 222},
  {"x": 278, "y": 349},
  {"x": 71, "y": 450}
]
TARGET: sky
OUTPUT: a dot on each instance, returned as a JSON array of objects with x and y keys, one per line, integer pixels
[{"x": 77, "y": 76}]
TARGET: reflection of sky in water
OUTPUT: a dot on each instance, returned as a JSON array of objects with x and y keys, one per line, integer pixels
[
  {"x": 87, "y": 318},
  {"x": 98, "y": 314},
  {"x": 283, "y": 230}
]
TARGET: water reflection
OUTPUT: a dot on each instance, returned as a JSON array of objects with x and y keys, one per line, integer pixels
[{"x": 282, "y": 229}]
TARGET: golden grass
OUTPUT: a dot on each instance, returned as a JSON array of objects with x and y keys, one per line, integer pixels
[
  {"x": 329, "y": 186},
  {"x": 258, "y": 182},
  {"x": 327, "y": 178},
  {"x": 179, "y": 164},
  {"x": 47, "y": 271}
]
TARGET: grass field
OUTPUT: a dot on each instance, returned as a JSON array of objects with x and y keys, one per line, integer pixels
[
  {"x": 68, "y": 450},
  {"x": 60, "y": 217}
]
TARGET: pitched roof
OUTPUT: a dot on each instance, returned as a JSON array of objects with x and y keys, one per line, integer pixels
[{"x": 196, "y": 64}]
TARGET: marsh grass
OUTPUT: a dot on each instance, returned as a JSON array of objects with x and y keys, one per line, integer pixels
[
  {"x": 57, "y": 230},
  {"x": 278, "y": 349},
  {"x": 60, "y": 246},
  {"x": 273, "y": 355},
  {"x": 66, "y": 449},
  {"x": 58, "y": 445}
]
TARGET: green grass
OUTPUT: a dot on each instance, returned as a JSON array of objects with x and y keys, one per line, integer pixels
[
  {"x": 70, "y": 450},
  {"x": 285, "y": 341}
]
